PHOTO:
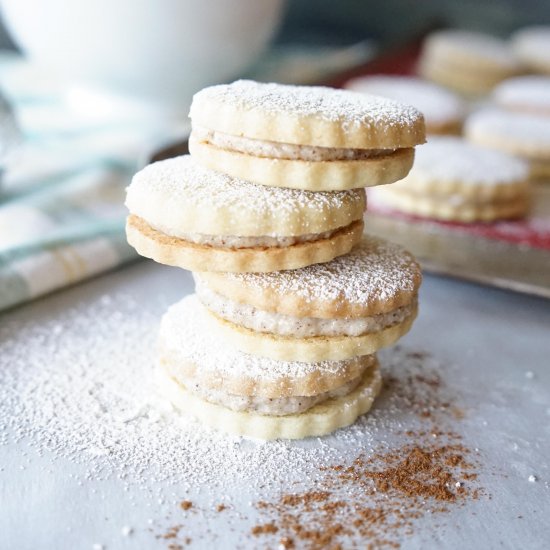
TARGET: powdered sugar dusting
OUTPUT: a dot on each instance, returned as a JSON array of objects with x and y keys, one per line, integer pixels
[
  {"x": 329, "y": 104},
  {"x": 437, "y": 104},
  {"x": 376, "y": 271},
  {"x": 445, "y": 159},
  {"x": 183, "y": 180},
  {"x": 528, "y": 92},
  {"x": 196, "y": 341}
]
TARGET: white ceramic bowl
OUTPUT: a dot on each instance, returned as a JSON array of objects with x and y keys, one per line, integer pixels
[{"x": 161, "y": 51}]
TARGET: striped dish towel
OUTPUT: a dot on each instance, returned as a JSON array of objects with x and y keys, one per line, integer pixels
[{"x": 62, "y": 187}]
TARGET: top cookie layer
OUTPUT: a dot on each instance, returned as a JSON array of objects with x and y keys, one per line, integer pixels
[
  {"x": 516, "y": 133},
  {"x": 376, "y": 277},
  {"x": 532, "y": 46},
  {"x": 178, "y": 197},
  {"x": 307, "y": 115},
  {"x": 438, "y": 105},
  {"x": 525, "y": 93},
  {"x": 475, "y": 51},
  {"x": 451, "y": 165}
]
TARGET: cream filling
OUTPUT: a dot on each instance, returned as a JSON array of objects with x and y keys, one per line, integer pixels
[
  {"x": 248, "y": 316},
  {"x": 234, "y": 241},
  {"x": 276, "y": 406},
  {"x": 287, "y": 151}
]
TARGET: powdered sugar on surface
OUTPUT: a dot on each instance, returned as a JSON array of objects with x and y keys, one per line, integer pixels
[
  {"x": 311, "y": 101},
  {"x": 437, "y": 104},
  {"x": 453, "y": 159},
  {"x": 199, "y": 343},
  {"x": 376, "y": 271}
]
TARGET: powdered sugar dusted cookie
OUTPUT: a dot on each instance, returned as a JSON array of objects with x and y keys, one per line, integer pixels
[
  {"x": 530, "y": 94},
  {"x": 351, "y": 306},
  {"x": 303, "y": 137},
  {"x": 532, "y": 46},
  {"x": 186, "y": 215},
  {"x": 525, "y": 135},
  {"x": 469, "y": 62},
  {"x": 453, "y": 179},
  {"x": 442, "y": 109},
  {"x": 247, "y": 395}
]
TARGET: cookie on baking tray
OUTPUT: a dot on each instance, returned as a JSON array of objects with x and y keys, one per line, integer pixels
[
  {"x": 468, "y": 62},
  {"x": 455, "y": 180},
  {"x": 443, "y": 110},
  {"x": 186, "y": 215},
  {"x": 303, "y": 137},
  {"x": 524, "y": 135},
  {"x": 532, "y": 46},
  {"x": 351, "y": 306},
  {"x": 253, "y": 396},
  {"x": 529, "y": 94}
]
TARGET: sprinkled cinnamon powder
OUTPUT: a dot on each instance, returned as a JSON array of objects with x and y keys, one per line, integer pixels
[{"x": 186, "y": 504}]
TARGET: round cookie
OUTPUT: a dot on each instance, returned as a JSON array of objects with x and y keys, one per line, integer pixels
[
  {"x": 453, "y": 179},
  {"x": 532, "y": 46},
  {"x": 526, "y": 136},
  {"x": 351, "y": 306},
  {"x": 468, "y": 62},
  {"x": 443, "y": 110},
  {"x": 186, "y": 215},
  {"x": 303, "y": 137},
  {"x": 529, "y": 94},
  {"x": 246, "y": 395}
]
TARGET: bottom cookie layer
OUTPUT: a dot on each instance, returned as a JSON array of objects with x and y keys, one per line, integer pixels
[
  {"x": 320, "y": 420},
  {"x": 181, "y": 253}
]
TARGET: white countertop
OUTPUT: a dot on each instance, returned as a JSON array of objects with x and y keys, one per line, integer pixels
[{"x": 494, "y": 350}]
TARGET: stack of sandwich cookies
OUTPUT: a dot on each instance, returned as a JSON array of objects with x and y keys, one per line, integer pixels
[
  {"x": 526, "y": 94},
  {"x": 532, "y": 46},
  {"x": 272, "y": 190},
  {"x": 459, "y": 181},
  {"x": 185, "y": 215},
  {"x": 351, "y": 306},
  {"x": 303, "y": 137}
]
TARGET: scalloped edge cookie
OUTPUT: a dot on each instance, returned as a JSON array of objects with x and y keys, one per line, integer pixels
[
  {"x": 320, "y": 420},
  {"x": 335, "y": 175},
  {"x": 316, "y": 348},
  {"x": 177, "y": 252},
  {"x": 298, "y": 293}
]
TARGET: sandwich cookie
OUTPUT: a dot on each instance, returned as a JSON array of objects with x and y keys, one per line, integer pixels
[
  {"x": 468, "y": 62},
  {"x": 529, "y": 94},
  {"x": 455, "y": 180},
  {"x": 351, "y": 306},
  {"x": 532, "y": 46},
  {"x": 526, "y": 136},
  {"x": 303, "y": 137},
  {"x": 443, "y": 110},
  {"x": 185, "y": 215},
  {"x": 247, "y": 395}
]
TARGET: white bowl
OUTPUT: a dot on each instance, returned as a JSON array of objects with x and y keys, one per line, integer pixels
[{"x": 160, "y": 51}]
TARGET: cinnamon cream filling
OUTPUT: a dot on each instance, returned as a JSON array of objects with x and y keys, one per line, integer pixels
[
  {"x": 286, "y": 151},
  {"x": 250, "y": 317},
  {"x": 279, "y": 406}
]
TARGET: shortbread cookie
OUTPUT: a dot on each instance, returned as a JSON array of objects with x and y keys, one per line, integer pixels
[
  {"x": 468, "y": 62},
  {"x": 349, "y": 307},
  {"x": 303, "y": 137},
  {"x": 532, "y": 46},
  {"x": 186, "y": 215},
  {"x": 443, "y": 110},
  {"x": 530, "y": 94},
  {"x": 453, "y": 179},
  {"x": 524, "y": 135},
  {"x": 321, "y": 419},
  {"x": 258, "y": 397}
]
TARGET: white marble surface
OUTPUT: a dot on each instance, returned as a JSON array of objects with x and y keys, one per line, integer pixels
[{"x": 491, "y": 338}]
